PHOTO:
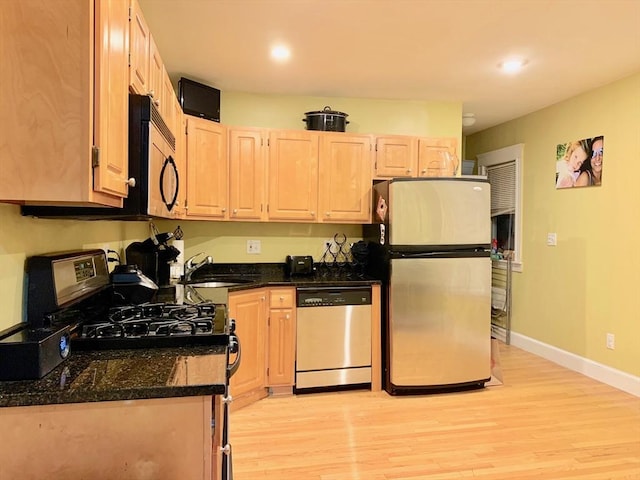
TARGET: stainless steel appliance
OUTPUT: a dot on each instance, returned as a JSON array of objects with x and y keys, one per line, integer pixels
[
  {"x": 333, "y": 333},
  {"x": 151, "y": 165},
  {"x": 430, "y": 245}
]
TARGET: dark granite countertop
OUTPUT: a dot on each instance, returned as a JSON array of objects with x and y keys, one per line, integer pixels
[
  {"x": 273, "y": 274},
  {"x": 107, "y": 375}
]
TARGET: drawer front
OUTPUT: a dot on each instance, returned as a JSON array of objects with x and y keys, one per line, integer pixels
[{"x": 282, "y": 298}]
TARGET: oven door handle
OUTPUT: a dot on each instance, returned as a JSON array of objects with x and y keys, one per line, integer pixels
[{"x": 234, "y": 347}]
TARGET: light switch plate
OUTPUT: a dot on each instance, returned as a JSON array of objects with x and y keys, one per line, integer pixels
[{"x": 552, "y": 239}]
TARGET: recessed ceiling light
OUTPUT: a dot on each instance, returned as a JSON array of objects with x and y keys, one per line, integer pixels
[
  {"x": 512, "y": 66},
  {"x": 280, "y": 53}
]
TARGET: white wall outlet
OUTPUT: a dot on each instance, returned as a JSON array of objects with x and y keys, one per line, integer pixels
[
  {"x": 552, "y": 239},
  {"x": 254, "y": 246},
  {"x": 611, "y": 341}
]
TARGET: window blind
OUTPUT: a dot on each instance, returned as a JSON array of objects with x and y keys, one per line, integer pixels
[{"x": 503, "y": 188}]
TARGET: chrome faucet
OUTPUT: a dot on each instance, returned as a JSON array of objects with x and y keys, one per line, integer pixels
[{"x": 190, "y": 267}]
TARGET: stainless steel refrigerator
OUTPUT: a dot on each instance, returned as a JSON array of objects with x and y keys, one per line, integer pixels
[{"x": 430, "y": 245}]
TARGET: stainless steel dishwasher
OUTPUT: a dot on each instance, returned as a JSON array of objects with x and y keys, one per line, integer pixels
[{"x": 333, "y": 336}]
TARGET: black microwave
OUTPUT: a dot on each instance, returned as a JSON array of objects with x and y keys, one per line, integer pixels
[{"x": 145, "y": 122}]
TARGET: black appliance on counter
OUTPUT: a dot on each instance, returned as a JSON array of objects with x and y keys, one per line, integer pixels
[
  {"x": 153, "y": 257},
  {"x": 161, "y": 179}
]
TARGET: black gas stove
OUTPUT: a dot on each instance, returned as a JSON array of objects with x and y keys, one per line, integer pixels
[
  {"x": 150, "y": 325},
  {"x": 72, "y": 299}
]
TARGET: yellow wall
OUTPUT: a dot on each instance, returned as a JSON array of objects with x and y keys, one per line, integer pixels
[
  {"x": 21, "y": 237},
  {"x": 399, "y": 117},
  {"x": 571, "y": 295}
]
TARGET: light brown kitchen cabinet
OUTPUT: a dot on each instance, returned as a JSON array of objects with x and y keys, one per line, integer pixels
[
  {"x": 431, "y": 162},
  {"x": 281, "y": 337},
  {"x": 139, "y": 61},
  {"x": 65, "y": 117},
  {"x": 180, "y": 127},
  {"x": 249, "y": 308},
  {"x": 396, "y": 156},
  {"x": 344, "y": 178},
  {"x": 156, "y": 70},
  {"x": 247, "y": 180},
  {"x": 293, "y": 175},
  {"x": 207, "y": 169},
  {"x": 167, "y": 104}
]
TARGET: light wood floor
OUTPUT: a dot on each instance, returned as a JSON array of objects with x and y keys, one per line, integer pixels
[{"x": 544, "y": 422}]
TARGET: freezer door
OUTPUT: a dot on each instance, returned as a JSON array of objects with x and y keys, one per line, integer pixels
[
  {"x": 439, "y": 329},
  {"x": 439, "y": 212}
]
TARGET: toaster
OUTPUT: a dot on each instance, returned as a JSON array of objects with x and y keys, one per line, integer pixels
[{"x": 299, "y": 265}]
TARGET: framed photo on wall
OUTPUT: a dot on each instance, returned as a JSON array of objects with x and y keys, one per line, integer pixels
[{"x": 579, "y": 163}]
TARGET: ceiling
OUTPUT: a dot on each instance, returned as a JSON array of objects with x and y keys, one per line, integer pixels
[{"x": 436, "y": 50}]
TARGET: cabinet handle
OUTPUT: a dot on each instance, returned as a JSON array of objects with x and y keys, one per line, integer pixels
[
  {"x": 287, "y": 316},
  {"x": 151, "y": 93},
  {"x": 235, "y": 211},
  {"x": 313, "y": 214},
  {"x": 423, "y": 171},
  {"x": 131, "y": 182},
  {"x": 156, "y": 103},
  {"x": 328, "y": 214},
  {"x": 224, "y": 210},
  {"x": 281, "y": 298},
  {"x": 408, "y": 170}
]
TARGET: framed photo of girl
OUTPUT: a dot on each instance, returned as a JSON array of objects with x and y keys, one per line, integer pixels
[{"x": 579, "y": 163}]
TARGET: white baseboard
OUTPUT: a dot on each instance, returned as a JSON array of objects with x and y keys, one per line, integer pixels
[{"x": 615, "y": 378}]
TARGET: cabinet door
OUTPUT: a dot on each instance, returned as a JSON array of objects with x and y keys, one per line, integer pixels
[
  {"x": 293, "y": 175},
  {"x": 156, "y": 71},
  {"x": 111, "y": 116},
  {"x": 139, "y": 80},
  {"x": 181, "y": 159},
  {"x": 396, "y": 156},
  {"x": 431, "y": 162},
  {"x": 167, "y": 104},
  {"x": 345, "y": 178},
  {"x": 247, "y": 181},
  {"x": 207, "y": 177},
  {"x": 249, "y": 311},
  {"x": 281, "y": 350}
]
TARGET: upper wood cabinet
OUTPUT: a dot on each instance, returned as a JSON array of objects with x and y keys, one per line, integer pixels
[
  {"x": 180, "y": 127},
  {"x": 396, "y": 156},
  {"x": 431, "y": 162},
  {"x": 65, "y": 102},
  {"x": 293, "y": 175},
  {"x": 344, "y": 178},
  {"x": 155, "y": 88},
  {"x": 402, "y": 156},
  {"x": 139, "y": 78},
  {"x": 247, "y": 179},
  {"x": 207, "y": 167}
]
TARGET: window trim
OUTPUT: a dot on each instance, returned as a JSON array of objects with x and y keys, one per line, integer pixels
[{"x": 504, "y": 155}]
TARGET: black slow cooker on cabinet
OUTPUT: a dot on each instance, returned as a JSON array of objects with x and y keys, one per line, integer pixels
[{"x": 326, "y": 120}]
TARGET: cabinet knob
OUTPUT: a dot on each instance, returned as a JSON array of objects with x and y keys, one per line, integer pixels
[
  {"x": 224, "y": 209},
  {"x": 281, "y": 298},
  {"x": 287, "y": 316},
  {"x": 235, "y": 211},
  {"x": 156, "y": 103},
  {"x": 408, "y": 170},
  {"x": 131, "y": 182},
  {"x": 328, "y": 214},
  {"x": 423, "y": 171},
  {"x": 151, "y": 93},
  {"x": 313, "y": 214}
]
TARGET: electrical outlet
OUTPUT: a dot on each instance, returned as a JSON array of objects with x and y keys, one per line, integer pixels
[
  {"x": 611, "y": 341},
  {"x": 552, "y": 239},
  {"x": 254, "y": 246}
]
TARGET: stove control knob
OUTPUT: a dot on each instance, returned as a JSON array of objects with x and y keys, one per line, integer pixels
[{"x": 232, "y": 325}]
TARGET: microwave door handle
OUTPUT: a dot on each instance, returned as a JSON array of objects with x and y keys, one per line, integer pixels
[{"x": 169, "y": 161}]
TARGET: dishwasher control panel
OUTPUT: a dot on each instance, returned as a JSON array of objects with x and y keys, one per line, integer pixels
[{"x": 333, "y": 296}]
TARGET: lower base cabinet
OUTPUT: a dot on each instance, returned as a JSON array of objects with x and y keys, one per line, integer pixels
[
  {"x": 248, "y": 308},
  {"x": 163, "y": 439}
]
